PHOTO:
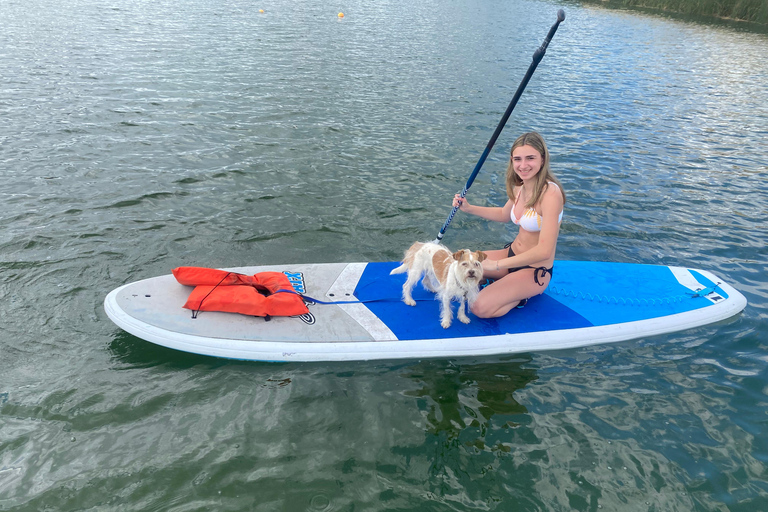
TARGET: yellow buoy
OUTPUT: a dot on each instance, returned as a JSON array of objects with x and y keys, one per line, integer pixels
[
  {"x": 261, "y": 11},
  {"x": 341, "y": 15}
]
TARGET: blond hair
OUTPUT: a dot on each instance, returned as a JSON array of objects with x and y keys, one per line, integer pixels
[{"x": 544, "y": 175}]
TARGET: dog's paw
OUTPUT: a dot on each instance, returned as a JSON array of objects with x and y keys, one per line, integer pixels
[
  {"x": 446, "y": 323},
  {"x": 464, "y": 319},
  {"x": 410, "y": 302}
]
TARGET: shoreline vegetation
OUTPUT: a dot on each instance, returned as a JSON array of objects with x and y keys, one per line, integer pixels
[{"x": 754, "y": 11}]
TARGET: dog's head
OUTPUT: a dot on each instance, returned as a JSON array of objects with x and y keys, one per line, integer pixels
[{"x": 469, "y": 268}]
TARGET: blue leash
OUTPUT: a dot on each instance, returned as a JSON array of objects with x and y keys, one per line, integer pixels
[
  {"x": 307, "y": 298},
  {"x": 704, "y": 291}
]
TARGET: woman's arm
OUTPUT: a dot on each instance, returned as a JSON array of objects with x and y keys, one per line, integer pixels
[
  {"x": 550, "y": 206},
  {"x": 497, "y": 213}
]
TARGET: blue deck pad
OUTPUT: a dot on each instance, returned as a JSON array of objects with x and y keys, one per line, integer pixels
[
  {"x": 612, "y": 293},
  {"x": 581, "y": 294},
  {"x": 542, "y": 313}
]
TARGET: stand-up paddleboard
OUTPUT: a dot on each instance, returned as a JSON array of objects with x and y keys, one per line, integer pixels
[{"x": 586, "y": 303}]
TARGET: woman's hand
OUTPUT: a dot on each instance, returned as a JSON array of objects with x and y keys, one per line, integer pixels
[
  {"x": 490, "y": 265},
  {"x": 461, "y": 202}
]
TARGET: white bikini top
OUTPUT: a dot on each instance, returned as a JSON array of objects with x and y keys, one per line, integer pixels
[{"x": 530, "y": 221}]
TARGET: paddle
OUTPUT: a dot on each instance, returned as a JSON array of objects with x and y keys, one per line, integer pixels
[{"x": 537, "y": 56}]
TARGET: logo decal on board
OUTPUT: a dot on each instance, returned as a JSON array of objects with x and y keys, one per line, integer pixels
[
  {"x": 308, "y": 318},
  {"x": 297, "y": 281}
]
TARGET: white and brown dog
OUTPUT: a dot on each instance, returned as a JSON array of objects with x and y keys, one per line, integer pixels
[{"x": 450, "y": 276}]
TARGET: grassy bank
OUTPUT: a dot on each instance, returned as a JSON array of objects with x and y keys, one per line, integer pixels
[{"x": 746, "y": 10}]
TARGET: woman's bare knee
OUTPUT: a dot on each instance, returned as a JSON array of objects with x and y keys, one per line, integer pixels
[
  {"x": 484, "y": 309},
  {"x": 478, "y": 310}
]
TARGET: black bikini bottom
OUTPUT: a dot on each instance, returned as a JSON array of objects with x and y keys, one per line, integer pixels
[{"x": 538, "y": 272}]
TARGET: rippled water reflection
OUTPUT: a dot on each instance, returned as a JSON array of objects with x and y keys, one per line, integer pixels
[{"x": 139, "y": 136}]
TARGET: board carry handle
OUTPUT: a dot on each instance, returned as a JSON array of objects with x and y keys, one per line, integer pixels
[{"x": 537, "y": 56}]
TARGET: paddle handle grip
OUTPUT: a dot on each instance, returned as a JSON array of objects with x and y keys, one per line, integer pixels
[{"x": 541, "y": 50}]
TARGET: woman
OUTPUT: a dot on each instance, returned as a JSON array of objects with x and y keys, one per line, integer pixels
[{"x": 524, "y": 268}]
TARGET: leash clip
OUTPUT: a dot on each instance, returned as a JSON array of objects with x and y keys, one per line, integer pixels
[{"x": 704, "y": 291}]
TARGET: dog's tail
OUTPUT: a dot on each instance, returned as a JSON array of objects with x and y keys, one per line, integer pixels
[{"x": 399, "y": 270}]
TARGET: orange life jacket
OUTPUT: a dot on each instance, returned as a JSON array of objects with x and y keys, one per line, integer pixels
[{"x": 219, "y": 290}]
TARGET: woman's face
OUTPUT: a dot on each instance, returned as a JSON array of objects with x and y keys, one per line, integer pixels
[{"x": 526, "y": 161}]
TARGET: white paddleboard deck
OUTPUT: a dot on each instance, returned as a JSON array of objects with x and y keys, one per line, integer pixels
[{"x": 586, "y": 303}]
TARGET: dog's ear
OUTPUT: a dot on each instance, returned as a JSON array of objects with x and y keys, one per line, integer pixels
[
  {"x": 458, "y": 254},
  {"x": 480, "y": 255}
]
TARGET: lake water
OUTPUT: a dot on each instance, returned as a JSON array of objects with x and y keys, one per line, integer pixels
[{"x": 138, "y": 136}]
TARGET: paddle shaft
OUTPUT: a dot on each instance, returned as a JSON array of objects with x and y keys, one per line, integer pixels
[{"x": 537, "y": 56}]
